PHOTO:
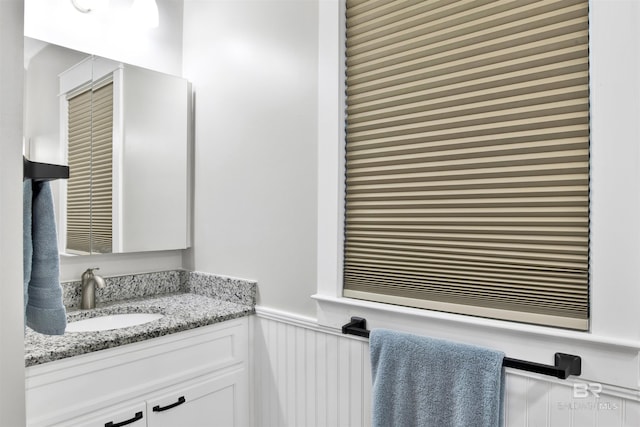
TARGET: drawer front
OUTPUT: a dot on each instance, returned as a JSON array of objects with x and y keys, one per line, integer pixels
[{"x": 216, "y": 401}]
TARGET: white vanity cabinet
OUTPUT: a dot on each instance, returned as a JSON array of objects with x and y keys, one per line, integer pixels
[{"x": 194, "y": 378}]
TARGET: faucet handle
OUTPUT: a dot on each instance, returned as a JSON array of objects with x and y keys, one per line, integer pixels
[
  {"x": 89, "y": 271},
  {"x": 89, "y": 275}
]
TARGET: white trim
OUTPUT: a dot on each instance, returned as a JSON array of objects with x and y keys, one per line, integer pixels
[
  {"x": 251, "y": 368},
  {"x": 117, "y": 229},
  {"x": 490, "y": 324},
  {"x": 331, "y": 151},
  {"x": 76, "y": 78},
  {"x": 12, "y": 405},
  {"x": 472, "y": 310},
  {"x": 614, "y": 43},
  {"x": 607, "y": 389},
  {"x": 62, "y": 188},
  {"x": 295, "y": 320}
]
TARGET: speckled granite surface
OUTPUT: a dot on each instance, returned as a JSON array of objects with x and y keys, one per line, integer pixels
[
  {"x": 125, "y": 287},
  {"x": 187, "y": 299},
  {"x": 129, "y": 286},
  {"x": 240, "y": 291}
]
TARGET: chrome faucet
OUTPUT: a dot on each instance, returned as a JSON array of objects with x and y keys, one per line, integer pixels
[{"x": 89, "y": 283}]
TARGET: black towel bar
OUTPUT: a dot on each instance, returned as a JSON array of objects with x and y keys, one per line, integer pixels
[
  {"x": 565, "y": 364},
  {"x": 43, "y": 171}
]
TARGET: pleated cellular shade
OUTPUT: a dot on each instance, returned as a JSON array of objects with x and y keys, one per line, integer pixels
[
  {"x": 79, "y": 182},
  {"x": 101, "y": 169},
  {"x": 89, "y": 188},
  {"x": 467, "y": 157}
]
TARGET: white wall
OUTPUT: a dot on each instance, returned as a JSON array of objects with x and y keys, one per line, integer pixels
[
  {"x": 253, "y": 65},
  {"x": 42, "y": 104},
  {"x": 11, "y": 307}
]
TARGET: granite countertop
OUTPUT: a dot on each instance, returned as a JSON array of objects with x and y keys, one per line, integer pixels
[{"x": 189, "y": 307}]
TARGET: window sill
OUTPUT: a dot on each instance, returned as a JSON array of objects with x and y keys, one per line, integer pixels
[{"x": 517, "y": 340}]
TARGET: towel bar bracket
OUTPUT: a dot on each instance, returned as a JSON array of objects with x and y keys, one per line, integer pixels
[
  {"x": 569, "y": 363},
  {"x": 357, "y": 326},
  {"x": 564, "y": 366}
]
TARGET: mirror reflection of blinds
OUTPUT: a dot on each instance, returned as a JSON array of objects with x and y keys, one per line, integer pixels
[
  {"x": 101, "y": 169},
  {"x": 79, "y": 182},
  {"x": 89, "y": 188},
  {"x": 468, "y": 157}
]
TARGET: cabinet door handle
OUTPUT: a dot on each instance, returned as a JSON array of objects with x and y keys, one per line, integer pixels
[
  {"x": 137, "y": 417},
  {"x": 180, "y": 401}
]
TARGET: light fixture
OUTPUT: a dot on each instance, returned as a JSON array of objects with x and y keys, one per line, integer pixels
[
  {"x": 145, "y": 13},
  {"x": 86, "y": 6},
  {"x": 79, "y": 7}
]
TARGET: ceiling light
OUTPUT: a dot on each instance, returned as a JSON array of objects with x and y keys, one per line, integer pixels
[{"x": 86, "y": 6}]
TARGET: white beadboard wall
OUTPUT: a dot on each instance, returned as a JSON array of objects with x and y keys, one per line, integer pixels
[{"x": 305, "y": 375}]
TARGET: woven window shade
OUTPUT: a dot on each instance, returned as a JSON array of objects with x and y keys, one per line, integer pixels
[
  {"x": 468, "y": 157},
  {"x": 89, "y": 188}
]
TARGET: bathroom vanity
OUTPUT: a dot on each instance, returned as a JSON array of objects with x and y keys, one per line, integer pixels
[
  {"x": 206, "y": 368},
  {"x": 190, "y": 367}
]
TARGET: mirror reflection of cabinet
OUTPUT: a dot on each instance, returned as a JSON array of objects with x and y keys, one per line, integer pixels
[{"x": 128, "y": 130}]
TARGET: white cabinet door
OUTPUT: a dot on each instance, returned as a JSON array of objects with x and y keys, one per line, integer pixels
[
  {"x": 130, "y": 415},
  {"x": 216, "y": 401}
]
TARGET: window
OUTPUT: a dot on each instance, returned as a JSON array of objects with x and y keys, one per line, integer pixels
[
  {"x": 89, "y": 188},
  {"x": 467, "y": 186}
]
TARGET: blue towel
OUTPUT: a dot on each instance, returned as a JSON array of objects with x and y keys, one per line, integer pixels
[
  {"x": 45, "y": 312},
  {"x": 419, "y": 381},
  {"x": 27, "y": 244}
]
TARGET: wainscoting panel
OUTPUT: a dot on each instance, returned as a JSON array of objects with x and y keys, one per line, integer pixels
[{"x": 308, "y": 376}]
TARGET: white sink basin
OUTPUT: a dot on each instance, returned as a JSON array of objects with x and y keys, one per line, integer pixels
[{"x": 112, "y": 321}]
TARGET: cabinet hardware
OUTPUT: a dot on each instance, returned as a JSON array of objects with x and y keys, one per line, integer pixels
[
  {"x": 180, "y": 401},
  {"x": 137, "y": 417}
]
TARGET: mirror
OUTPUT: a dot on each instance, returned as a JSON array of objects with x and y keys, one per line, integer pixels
[{"x": 124, "y": 131}]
